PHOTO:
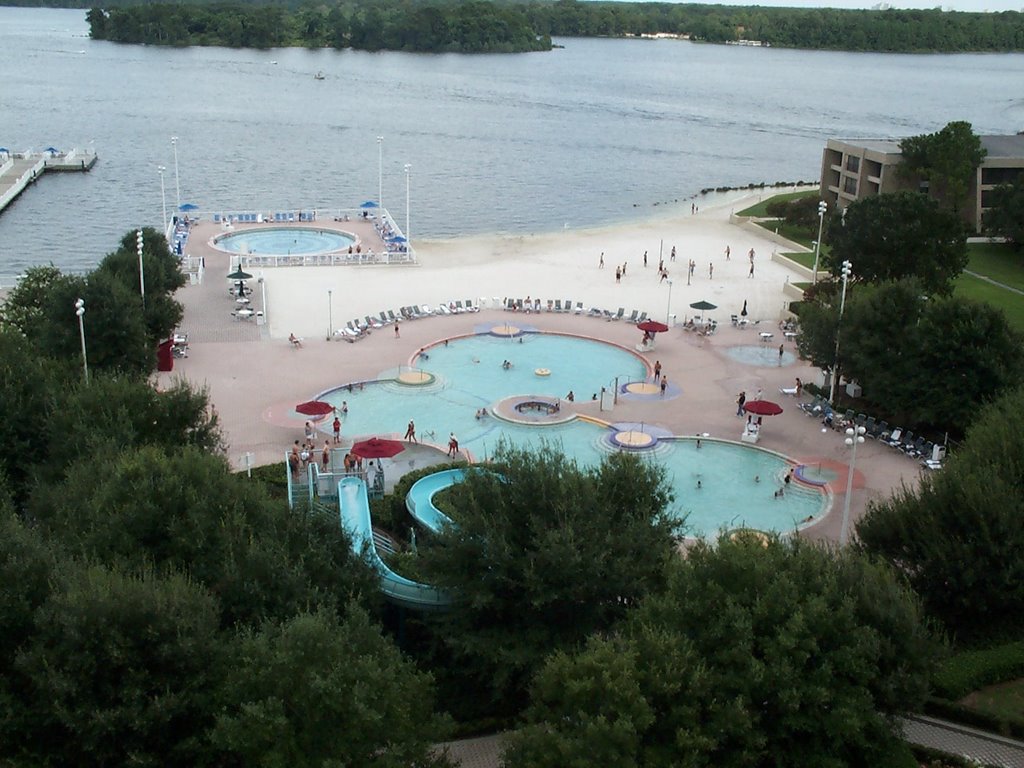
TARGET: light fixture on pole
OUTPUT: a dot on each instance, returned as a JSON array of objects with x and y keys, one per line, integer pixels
[
  {"x": 408, "y": 166},
  {"x": 330, "y": 313},
  {"x": 380, "y": 174},
  {"x": 668, "y": 309},
  {"x": 177, "y": 181},
  {"x": 822, "y": 207},
  {"x": 854, "y": 437},
  {"x": 142, "y": 276},
  {"x": 847, "y": 271},
  {"x": 80, "y": 311},
  {"x": 163, "y": 194}
]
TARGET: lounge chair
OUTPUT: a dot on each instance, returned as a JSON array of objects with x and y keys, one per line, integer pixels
[
  {"x": 391, "y": 316},
  {"x": 632, "y": 318},
  {"x": 608, "y": 315},
  {"x": 567, "y": 305},
  {"x": 383, "y": 317},
  {"x": 895, "y": 437},
  {"x": 459, "y": 309},
  {"x": 880, "y": 429},
  {"x": 471, "y": 307},
  {"x": 442, "y": 309},
  {"x": 594, "y": 312},
  {"x": 791, "y": 391},
  {"x": 643, "y": 316},
  {"x": 426, "y": 310},
  {"x": 373, "y": 322},
  {"x": 558, "y": 305},
  {"x": 579, "y": 308},
  {"x": 619, "y": 315}
]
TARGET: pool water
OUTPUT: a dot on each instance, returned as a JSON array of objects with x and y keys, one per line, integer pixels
[
  {"x": 761, "y": 355},
  {"x": 281, "y": 241},
  {"x": 729, "y": 495}
]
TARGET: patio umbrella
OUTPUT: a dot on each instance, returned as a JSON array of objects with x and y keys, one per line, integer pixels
[
  {"x": 397, "y": 239},
  {"x": 369, "y": 204},
  {"x": 314, "y": 408},
  {"x": 376, "y": 448},
  {"x": 238, "y": 274},
  {"x": 762, "y": 408},
  {"x": 743, "y": 312},
  {"x": 702, "y": 306},
  {"x": 187, "y": 207},
  {"x": 651, "y": 326}
]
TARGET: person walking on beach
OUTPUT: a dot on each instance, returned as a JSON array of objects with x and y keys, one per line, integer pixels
[
  {"x": 624, "y": 268},
  {"x": 661, "y": 266},
  {"x": 657, "y": 370},
  {"x": 645, "y": 259},
  {"x": 739, "y": 403},
  {"x": 618, "y": 274},
  {"x": 410, "y": 431},
  {"x": 672, "y": 256},
  {"x": 337, "y": 430},
  {"x": 711, "y": 270},
  {"x": 664, "y": 385},
  {"x": 664, "y": 275},
  {"x": 727, "y": 252},
  {"x": 397, "y": 334},
  {"x": 751, "y": 255},
  {"x": 782, "y": 351},
  {"x": 600, "y": 264},
  {"x": 751, "y": 274}
]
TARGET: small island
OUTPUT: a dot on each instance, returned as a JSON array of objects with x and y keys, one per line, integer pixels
[{"x": 479, "y": 26}]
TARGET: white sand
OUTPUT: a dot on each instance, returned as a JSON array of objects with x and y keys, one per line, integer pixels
[{"x": 554, "y": 266}]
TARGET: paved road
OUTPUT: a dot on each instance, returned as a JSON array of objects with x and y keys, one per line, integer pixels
[{"x": 956, "y": 739}]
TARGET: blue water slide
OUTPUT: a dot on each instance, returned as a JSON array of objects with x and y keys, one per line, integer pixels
[
  {"x": 354, "y": 507},
  {"x": 420, "y": 499}
]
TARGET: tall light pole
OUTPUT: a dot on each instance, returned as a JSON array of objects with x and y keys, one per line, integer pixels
[
  {"x": 668, "y": 309},
  {"x": 142, "y": 276},
  {"x": 847, "y": 271},
  {"x": 80, "y": 311},
  {"x": 177, "y": 182},
  {"x": 408, "y": 166},
  {"x": 854, "y": 437},
  {"x": 330, "y": 313},
  {"x": 163, "y": 194},
  {"x": 380, "y": 174},
  {"x": 822, "y": 207}
]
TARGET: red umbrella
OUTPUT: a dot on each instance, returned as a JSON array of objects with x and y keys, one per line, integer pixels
[
  {"x": 314, "y": 408},
  {"x": 652, "y": 326},
  {"x": 762, "y": 408},
  {"x": 375, "y": 448}
]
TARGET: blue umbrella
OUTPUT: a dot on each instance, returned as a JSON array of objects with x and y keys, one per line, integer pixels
[
  {"x": 187, "y": 207},
  {"x": 369, "y": 204},
  {"x": 5, "y": 149},
  {"x": 397, "y": 239},
  {"x": 52, "y": 149}
]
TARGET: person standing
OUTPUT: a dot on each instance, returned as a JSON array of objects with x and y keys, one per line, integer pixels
[
  {"x": 325, "y": 457},
  {"x": 711, "y": 270},
  {"x": 410, "y": 431},
  {"x": 600, "y": 264},
  {"x": 337, "y": 430},
  {"x": 664, "y": 385},
  {"x": 645, "y": 258},
  {"x": 397, "y": 334},
  {"x": 739, "y": 403},
  {"x": 453, "y": 445},
  {"x": 657, "y": 371},
  {"x": 727, "y": 252},
  {"x": 618, "y": 274},
  {"x": 672, "y": 256},
  {"x": 782, "y": 351}
]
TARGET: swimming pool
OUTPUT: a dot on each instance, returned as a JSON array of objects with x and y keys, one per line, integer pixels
[
  {"x": 284, "y": 241},
  {"x": 737, "y": 482},
  {"x": 761, "y": 355}
]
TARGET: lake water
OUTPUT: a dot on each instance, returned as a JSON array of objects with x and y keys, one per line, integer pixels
[{"x": 600, "y": 131}]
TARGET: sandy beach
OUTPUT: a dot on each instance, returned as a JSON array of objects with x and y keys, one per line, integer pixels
[{"x": 255, "y": 377}]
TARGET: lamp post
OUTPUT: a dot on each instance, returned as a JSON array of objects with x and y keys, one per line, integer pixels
[
  {"x": 822, "y": 207},
  {"x": 847, "y": 271},
  {"x": 177, "y": 182},
  {"x": 163, "y": 194},
  {"x": 330, "y": 313},
  {"x": 408, "y": 166},
  {"x": 854, "y": 437},
  {"x": 380, "y": 174},
  {"x": 668, "y": 309},
  {"x": 80, "y": 311},
  {"x": 142, "y": 276}
]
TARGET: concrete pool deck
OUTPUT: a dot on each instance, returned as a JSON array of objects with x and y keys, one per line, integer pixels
[{"x": 255, "y": 377}]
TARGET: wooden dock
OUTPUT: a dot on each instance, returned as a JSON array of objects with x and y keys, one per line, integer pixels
[{"x": 19, "y": 169}]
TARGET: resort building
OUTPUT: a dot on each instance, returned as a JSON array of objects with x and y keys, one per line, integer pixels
[{"x": 858, "y": 168}]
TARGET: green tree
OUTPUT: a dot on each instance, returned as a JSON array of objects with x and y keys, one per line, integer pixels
[
  {"x": 893, "y": 236},
  {"x": 544, "y": 555},
  {"x": 1005, "y": 216},
  {"x": 755, "y": 651},
  {"x": 947, "y": 159},
  {"x": 957, "y": 537},
  {"x": 315, "y": 691},
  {"x": 121, "y": 670},
  {"x": 184, "y": 510},
  {"x": 24, "y": 308}
]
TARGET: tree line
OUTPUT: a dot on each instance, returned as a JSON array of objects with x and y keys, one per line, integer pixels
[{"x": 475, "y": 26}]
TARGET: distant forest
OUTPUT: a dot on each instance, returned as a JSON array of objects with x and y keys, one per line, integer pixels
[{"x": 482, "y": 26}]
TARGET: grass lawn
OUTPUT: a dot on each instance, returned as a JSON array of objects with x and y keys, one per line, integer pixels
[
  {"x": 999, "y": 262},
  {"x": 1011, "y": 303},
  {"x": 1005, "y": 700},
  {"x": 804, "y": 258},
  {"x": 761, "y": 208}
]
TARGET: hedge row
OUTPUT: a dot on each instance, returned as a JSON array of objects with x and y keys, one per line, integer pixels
[{"x": 970, "y": 670}]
